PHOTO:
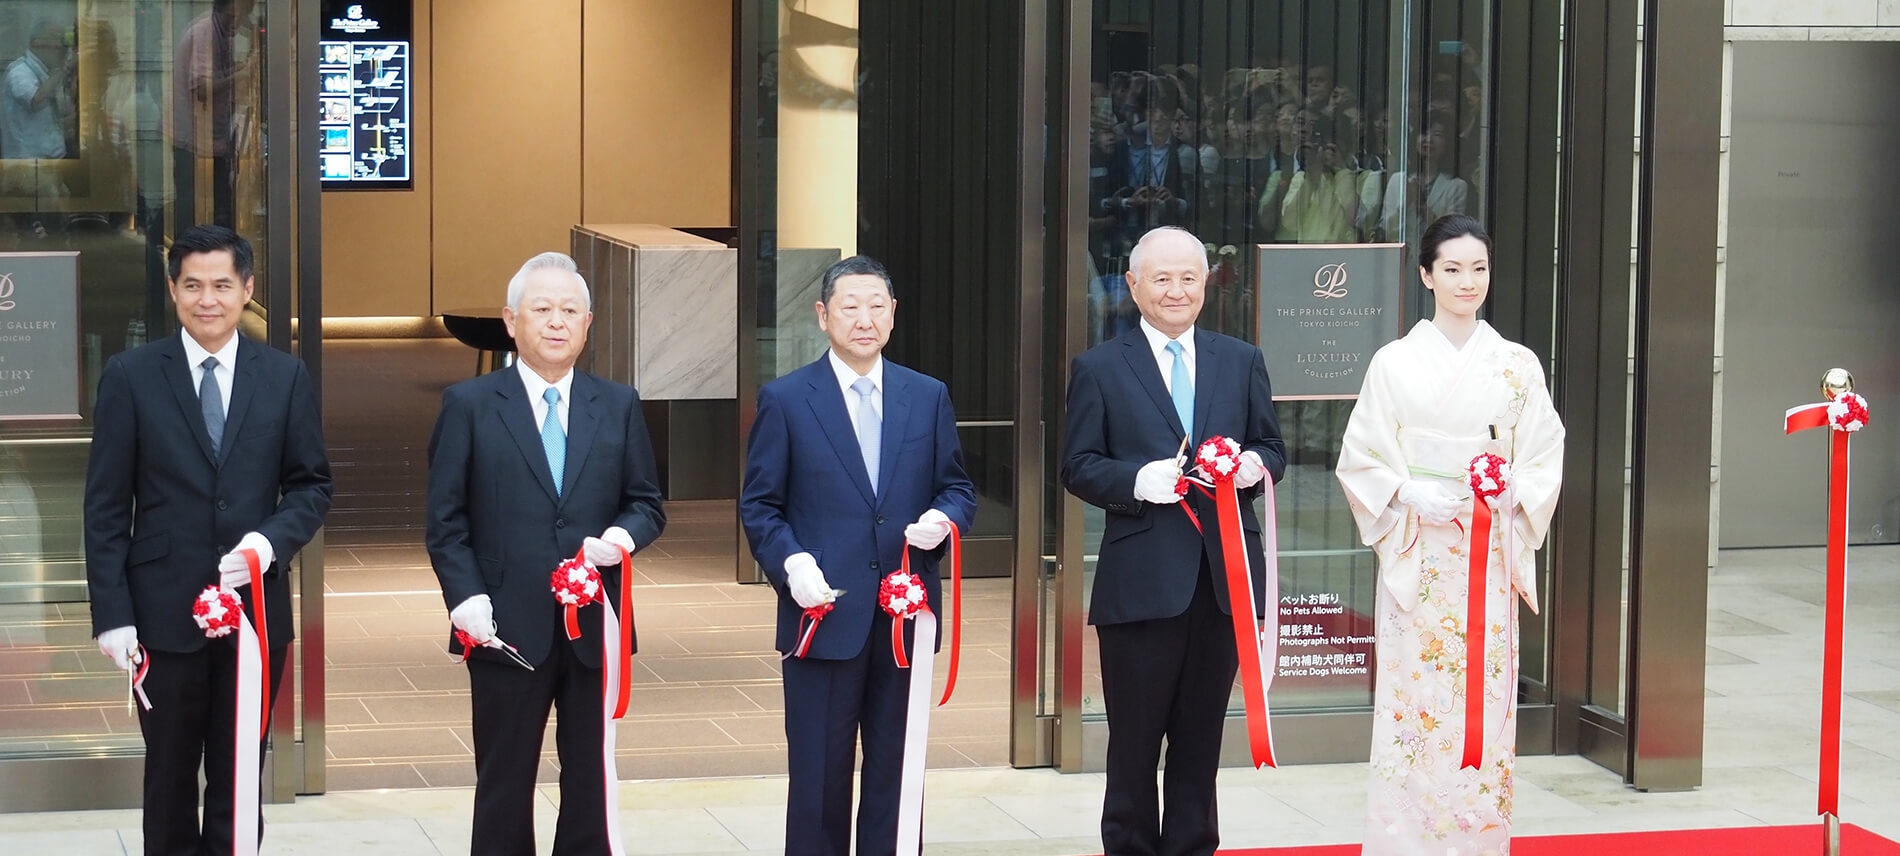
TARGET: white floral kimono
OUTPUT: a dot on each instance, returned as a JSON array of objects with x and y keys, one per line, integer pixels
[{"x": 1425, "y": 411}]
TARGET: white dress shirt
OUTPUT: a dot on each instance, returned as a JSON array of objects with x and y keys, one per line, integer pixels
[
  {"x": 848, "y": 376},
  {"x": 1158, "y": 343},
  {"x": 537, "y": 387},
  {"x": 227, "y": 358}
]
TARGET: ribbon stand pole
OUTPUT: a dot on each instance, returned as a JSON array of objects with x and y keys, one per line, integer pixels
[{"x": 1844, "y": 413}]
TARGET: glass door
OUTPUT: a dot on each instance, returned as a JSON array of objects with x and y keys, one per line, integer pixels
[
  {"x": 148, "y": 117},
  {"x": 1247, "y": 113}
]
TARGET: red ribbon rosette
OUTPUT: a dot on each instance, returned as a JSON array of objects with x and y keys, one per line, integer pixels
[
  {"x": 1489, "y": 476},
  {"x": 902, "y": 595},
  {"x": 217, "y": 611},
  {"x": 1847, "y": 412},
  {"x": 575, "y": 584},
  {"x": 1218, "y": 459}
]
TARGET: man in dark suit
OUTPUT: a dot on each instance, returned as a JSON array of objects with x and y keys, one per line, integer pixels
[
  {"x": 204, "y": 445},
  {"x": 527, "y": 466},
  {"x": 1159, "y": 606},
  {"x": 852, "y": 461}
]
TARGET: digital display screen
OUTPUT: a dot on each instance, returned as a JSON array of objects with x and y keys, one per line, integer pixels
[{"x": 363, "y": 72}]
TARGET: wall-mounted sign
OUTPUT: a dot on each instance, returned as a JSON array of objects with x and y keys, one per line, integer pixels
[
  {"x": 363, "y": 71},
  {"x": 1324, "y": 310},
  {"x": 39, "y": 336}
]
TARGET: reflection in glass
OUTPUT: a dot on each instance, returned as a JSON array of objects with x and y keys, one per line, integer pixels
[
  {"x": 1281, "y": 122},
  {"x": 120, "y": 123}
]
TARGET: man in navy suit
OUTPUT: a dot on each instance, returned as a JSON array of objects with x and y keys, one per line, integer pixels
[
  {"x": 204, "y": 444},
  {"x": 1159, "y": 606},
  {"x": 527, "y": 466},
  {"x": 852, "y": 461}
]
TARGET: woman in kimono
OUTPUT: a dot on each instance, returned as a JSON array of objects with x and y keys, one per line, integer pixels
[{"x": 1448, "y": 391}]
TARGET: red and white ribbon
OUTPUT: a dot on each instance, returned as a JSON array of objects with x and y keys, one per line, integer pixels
[
  {"x": 138, "y": 680},
  {"x": 577, "y": 583},
  {"x": 221, "y": 612},
  {"x": 1845, "y": 414},
  {"x": 616, "y": 658},
  {"x": 902, "y": 596},
  {"x": 807, "y": 628},
  {"x": 1256, "y": 641}
]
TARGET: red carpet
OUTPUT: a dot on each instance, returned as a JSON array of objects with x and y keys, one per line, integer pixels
[{"x": 1743, "y": 841}]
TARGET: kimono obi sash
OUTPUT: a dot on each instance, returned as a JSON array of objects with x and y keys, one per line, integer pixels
[{"x": 1431, "y": 454}]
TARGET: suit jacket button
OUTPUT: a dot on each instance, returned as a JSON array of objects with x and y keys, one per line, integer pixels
[
  {"x": 220, "y": 505},
  {"x": 880, "y": 520},
  {"x": 560, "y": 522},
  {"x": 873, "y": 564}
]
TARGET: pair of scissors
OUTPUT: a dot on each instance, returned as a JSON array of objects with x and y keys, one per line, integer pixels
[{"x": 469, "y": 645}]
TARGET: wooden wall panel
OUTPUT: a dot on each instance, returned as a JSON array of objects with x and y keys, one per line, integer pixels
[
  {"x": 507, "y": 144},
  {"x": 657, "y": 124}
]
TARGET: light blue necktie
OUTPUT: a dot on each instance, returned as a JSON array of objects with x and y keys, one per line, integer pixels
[
  {"x": 870, "y": 433},
  {"x": 553, "y": 439},
  {"x": 1181, "y": 389},
  {"x": 211, "y": 400}
]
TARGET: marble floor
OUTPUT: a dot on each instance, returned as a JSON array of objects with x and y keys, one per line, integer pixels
[{"x": 1760, "y": 767}]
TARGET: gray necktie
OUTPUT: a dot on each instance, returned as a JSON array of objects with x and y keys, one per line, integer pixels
[
  {"x": 212, "y": 402},
  {"x": 870, "y": 427}
]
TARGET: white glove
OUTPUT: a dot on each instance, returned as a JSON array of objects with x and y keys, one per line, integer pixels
[
  {"x": 1434, "y": 504},
  {"x": 806, "y": 581},
  {"x": 234, "y": 572},
  {"x": 1251, "y": 471},
  {"x": 605, "y": 550},
  {"x": 1156, "y": 481},
  {"x": 122, "y": 645},
  {"x": 929, "y": 530},
  {"x": 476, "y": 617}
]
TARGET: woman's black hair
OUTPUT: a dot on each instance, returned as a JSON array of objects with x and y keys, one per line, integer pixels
[{"x": 1447, "y": 228}]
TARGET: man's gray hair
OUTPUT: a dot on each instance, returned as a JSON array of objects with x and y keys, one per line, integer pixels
[
  {"x": 1161, "y": 232},
  {"x": 547, "y": 261}
]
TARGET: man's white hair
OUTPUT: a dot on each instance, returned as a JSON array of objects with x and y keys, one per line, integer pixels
[
  {"x": 547, "y": 261},
  {"x": 1161, "y": 233}
]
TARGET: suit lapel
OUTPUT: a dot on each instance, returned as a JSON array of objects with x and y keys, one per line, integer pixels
[
  {"x": 1142, "y": 361},
  {"x": 243, "y": 384},
  {"x": 518, "y": 415},
  {"x": 827, "y": 404},
  {"x": 896, "y": 413},
  {"x": 1207, "y": 370},
  {"x": 178, "y": 375},
  {"x": 582, "y": 422}
]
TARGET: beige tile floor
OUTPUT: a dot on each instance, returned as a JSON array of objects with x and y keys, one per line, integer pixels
[
  {"x": 706, "y": 696},
  {"x": 1760, "y": 765}
]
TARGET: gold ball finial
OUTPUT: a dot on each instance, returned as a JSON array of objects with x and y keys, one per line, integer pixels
[{"x": 1836, "y": 381}]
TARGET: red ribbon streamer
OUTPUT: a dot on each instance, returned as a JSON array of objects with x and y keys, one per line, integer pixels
[
  {"x": 263, "y": 634},
  {"x": 1801, "y": 419},
  {"x": 956, "y": 610},
  {"x": 1804, "y": 418},
  {"x": 626, "y": 633},
  {"x": 1241, "y": 607},
  {"x": 1480, "y": 561}
]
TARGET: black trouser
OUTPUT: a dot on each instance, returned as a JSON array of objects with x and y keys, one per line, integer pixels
[
  {"x": 828, "y": 704},
  {"x": 510, "y": 715},
  {"x": 1166, "y": 677},
  {"x": 193, "y": 716}
]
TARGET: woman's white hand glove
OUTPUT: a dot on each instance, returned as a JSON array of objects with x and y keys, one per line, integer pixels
[{"x": 1433, "y": 502}]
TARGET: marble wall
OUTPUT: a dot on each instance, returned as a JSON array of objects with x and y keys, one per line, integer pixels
[{"x": 666, "y": 307}]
